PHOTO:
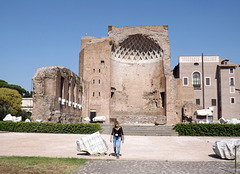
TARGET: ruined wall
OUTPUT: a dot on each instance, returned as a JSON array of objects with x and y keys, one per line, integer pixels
[
  {"x": 94, "y": 68},
  {"x": 139, "y": 60},
  {"x": 180, "y": 97},
  {"x": 56, "y": 95},
  {"x": 157, "y": 33},
  {"x": 136, "y": 91},
  {"x": 127, "y": 76}
]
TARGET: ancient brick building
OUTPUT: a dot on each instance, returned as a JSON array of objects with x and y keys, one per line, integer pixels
[
  {"x": 56, "y": 95},
  {"x": 127, "y": 76}
]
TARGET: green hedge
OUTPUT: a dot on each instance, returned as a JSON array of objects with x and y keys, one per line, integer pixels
[
  {"x": 230, "y": 130},
  {"x": 77, "y": 128}
]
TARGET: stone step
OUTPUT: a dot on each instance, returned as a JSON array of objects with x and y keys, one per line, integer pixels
[{"x": 142, "y": 130}]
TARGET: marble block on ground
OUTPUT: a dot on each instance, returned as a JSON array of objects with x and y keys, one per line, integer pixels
[
  {"x": 225, "y": 149},
  {"x": 92, "y": 144}
]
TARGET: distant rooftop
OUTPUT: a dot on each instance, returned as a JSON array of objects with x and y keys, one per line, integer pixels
[{"x": 189, "y": 59}]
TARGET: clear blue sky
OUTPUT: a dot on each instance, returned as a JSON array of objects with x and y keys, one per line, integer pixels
[{"x": 39, "y": 33}]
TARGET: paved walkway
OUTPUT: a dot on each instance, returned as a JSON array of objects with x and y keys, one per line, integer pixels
[
  {"x": 156, "y": 167},
  {"x": 139, "y": 153}
]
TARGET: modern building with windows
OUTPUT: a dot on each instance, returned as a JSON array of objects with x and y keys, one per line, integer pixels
[{"x": 215, "y": 83}]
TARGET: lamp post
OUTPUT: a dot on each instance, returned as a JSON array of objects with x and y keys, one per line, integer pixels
[
  {"x": 236, "y": 146},
  {"x": 203, "y": 83}
]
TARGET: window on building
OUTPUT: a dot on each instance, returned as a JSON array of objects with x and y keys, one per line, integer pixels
[
  {"x": 214, "y": 102},
  {"x": 163, "y": 98},
  {"x": 69, "y": 92},
  {"x": 94, "y": 70},
  {"x": 208, "y": 81},
  {"x": 196, "y": 80},
  {"x": 185, "y": 81},
  {"x": 99, "y": 94},
  {"x": 62, "y": 88},
  {"x": 93, "y": 94},
  {"x": 196, "y": 64},
  {"x": 102, "y": 63},
  {"x": 231, "y": 70},
  {"x": 232, "y": 89},
  {"x": 224, "y": 62},
  {"x": 93, "y": 81},
  {"x": 92, "y": 114},
  {"x": 231, "y": 80},
  {"x": 99, "y": 81},
  {"x": 232, "y": 100},
  {"x": 99, "y": 70},
  {"x": 197, "y": 101},
  {"x": 112, "y": 93}
]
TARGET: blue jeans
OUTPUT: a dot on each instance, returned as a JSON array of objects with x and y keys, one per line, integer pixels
[{"x": 116, "y": 144}]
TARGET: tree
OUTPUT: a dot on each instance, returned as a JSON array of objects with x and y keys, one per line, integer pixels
[
  {"x": 10, "y": 102},
  {"x": 25, "y": 115},
  {"x": 24, "y": 93}
]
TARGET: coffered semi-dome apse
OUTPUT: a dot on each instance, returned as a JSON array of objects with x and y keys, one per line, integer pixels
[
  {"x": 137, "y": 77},
  {"x": 137, "y": 48}
]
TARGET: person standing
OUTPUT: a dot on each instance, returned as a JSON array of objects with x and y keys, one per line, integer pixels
[{"x": 117, "y": 136}]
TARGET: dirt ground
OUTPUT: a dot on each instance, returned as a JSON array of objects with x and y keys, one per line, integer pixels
[{"x": 161, "y": 148}]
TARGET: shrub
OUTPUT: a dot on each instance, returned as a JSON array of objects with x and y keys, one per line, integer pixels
[
  {"x": 230, "y": 130},
  {"x": 77, "y": 128},
  {"x": 25, "y": 115},
  {"x": 10, "y": 101}
]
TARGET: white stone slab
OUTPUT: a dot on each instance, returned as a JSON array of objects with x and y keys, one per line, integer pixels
[
  {"x": 92, "y": 144},
  {"x": 225, "y": 149}
]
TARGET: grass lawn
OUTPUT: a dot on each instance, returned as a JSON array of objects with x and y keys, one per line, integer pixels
[{"x": 30, "y": 165}]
